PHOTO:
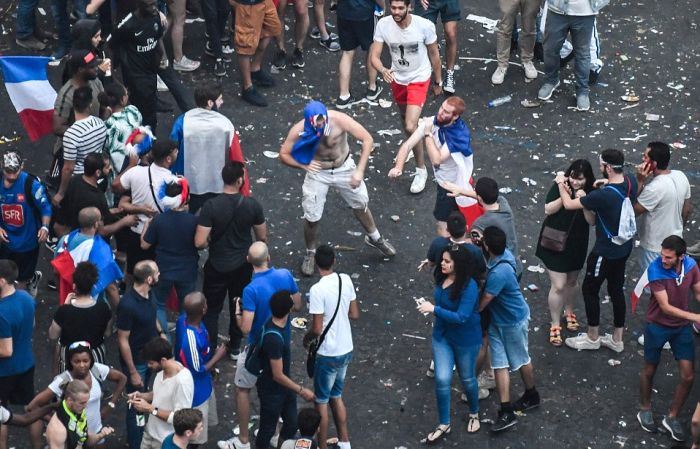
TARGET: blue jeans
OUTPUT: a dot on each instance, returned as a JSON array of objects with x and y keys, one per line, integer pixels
[
  {"x": 134, "y": 433},
  {"x": 555, "y": 31},
  {"x": 446, "y": 355},
  {"x": 26, "y": 19},
  {"x": 161, "y": 292},
  {"x": 272, "y": 407},
  {"x": 215, "y": 14},
  {"x": 59, "y": 10},
  {"x": 329, "y": 376}
]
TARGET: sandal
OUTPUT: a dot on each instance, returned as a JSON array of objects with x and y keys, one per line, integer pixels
[
  {"x": 571, "y": 323},
  {"x": 555, "y": 336},
  {"x": 332, "y": 442},
  {"x": 473, "y": 424},
  {"x": 438, "y": 434}
]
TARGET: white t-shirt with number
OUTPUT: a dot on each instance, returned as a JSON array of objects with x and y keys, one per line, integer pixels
[
  {"x": 93, "y": 406},
  {"x": 409, "y": 54},
  {"x": 323, "y": 299}
]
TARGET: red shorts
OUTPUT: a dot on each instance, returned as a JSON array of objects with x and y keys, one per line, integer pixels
[
  {"x": 277, "y": 2},
  {"x": 412, "y": 94}
]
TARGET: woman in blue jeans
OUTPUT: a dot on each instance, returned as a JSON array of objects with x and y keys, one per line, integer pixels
[{"x": 456, "y": 335}]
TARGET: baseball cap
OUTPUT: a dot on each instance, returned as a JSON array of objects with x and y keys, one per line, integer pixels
[
  {"x": 83, "y": 58},
  {"x": 11, "y": 161}
]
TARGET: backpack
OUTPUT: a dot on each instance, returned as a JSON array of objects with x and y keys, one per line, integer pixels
[
  {"x": 31, "y": 201},
  {"x": 253, "y": 359},
  {"x": 628, "y": 224}
]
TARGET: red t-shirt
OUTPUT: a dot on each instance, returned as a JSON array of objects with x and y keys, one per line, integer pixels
[{"x": 677, "y": 296}]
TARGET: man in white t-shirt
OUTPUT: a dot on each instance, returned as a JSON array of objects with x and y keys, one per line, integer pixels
[
  {"x": 144, "y": 182},
  {"x": 412, "y": 43},
  {"x": 448, "y": 143},
  {"x": 173, "y": 389},
  {"x": 332, "y": 295},
  {"x": 663, "y": 201}
]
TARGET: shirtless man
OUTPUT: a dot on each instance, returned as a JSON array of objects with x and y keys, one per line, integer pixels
[{"x": 319, "y": 145}]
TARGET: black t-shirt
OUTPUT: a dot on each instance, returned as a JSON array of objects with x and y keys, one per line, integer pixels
[
  {"x": 83, "y": 323},
  {"x": 136, "y": 40},
  {"x": 356, "y": 10},
  {"x": 137, "y": 315},
  {"x": 231, "y": 221},
  {"x": 275, "y": 346},
  {"x": 79, "y": 195}
]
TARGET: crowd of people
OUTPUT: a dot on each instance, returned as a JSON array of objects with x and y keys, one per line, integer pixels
[{"x": 128, "y": 213}]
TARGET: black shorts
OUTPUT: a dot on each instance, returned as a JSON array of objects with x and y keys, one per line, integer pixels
[
  {"x": 444, "y": 205},
  {"x": 134, "y": 253},
  {"x": 17, "y": 389},
  {"x": 26, "y": 262},
  {"x": 355, "y": 33},
  {"x": 448, "y": 9}
]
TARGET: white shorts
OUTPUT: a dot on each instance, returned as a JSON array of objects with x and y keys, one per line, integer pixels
[
  {"x": 210, "y": 418},
  {"x": 316, "y": 186},
  {"x": 243, "y": 377}
]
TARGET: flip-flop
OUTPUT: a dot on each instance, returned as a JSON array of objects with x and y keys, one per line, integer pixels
[{"x": 438, "y": 434}]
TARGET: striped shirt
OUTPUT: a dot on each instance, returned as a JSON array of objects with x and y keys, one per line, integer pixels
[{"x": 82, "y": 138}]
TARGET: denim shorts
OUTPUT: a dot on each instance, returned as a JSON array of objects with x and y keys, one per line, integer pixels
[
  {"x": 509, "y": 346},
  {"x": 329, "y": 376},
  {"x": 680, "y": 339}
]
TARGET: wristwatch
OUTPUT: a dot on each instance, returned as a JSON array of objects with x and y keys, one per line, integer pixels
[{"x": 155, "y": 411}]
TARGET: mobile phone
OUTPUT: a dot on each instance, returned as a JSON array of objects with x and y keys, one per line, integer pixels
[{"x": 420, "y": 301}]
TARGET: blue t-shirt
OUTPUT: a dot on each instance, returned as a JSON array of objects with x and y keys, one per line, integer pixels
[
  {"x": 257, "y": 294},
  {"x": 440, "y": 244},
  {"x": 172, "y": 235},
  {"x": 193, "y": 351},
  {"x": 356, "y": 10},
  {"x": 508, "y": 306},
  {"x": 17, "y": 322},
  {"x": 137, "y": 315},
  {"x": 607, "y": 206},
  {"x": 458, "y": 321},
  {"x": 18, "y": 218}
]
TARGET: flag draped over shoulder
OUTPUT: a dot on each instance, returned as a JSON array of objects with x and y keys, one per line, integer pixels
[
  {"x": 656, "y": 272},
  {"x": 30, "y": 92},
  {"x": 95, "y": 250}
]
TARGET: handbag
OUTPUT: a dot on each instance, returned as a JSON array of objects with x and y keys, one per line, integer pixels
[
  {"x": 555, "y": 239},
  {"x": 316, "y": 342}
]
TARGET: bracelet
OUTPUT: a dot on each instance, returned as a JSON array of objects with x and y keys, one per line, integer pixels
[
  {"x": 45, "y": 227},
  {"x": 301, "y": 388}
]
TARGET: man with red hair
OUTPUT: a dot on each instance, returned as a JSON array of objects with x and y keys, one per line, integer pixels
[{"x": 448, "y": 144}]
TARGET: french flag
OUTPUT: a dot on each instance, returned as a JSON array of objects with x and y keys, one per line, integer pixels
[
  {"x": 30, "y": 92},
  {"x": 656, "y": 272}
]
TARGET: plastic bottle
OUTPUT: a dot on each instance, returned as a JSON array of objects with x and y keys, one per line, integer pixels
[{"x": 500, "y": 100}]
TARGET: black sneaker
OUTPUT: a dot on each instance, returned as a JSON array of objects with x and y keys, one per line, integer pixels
[
  {"x": 298, "y": 59},
  {"x": 344, "y": 104},
  {"x": 252, "y": 96},
  {"x": 262, "y": 78},
  {"x": 527, "y": 402},
  {"x": 504, "y": 421},
  {"x": 33, "y": 284},
  {"x": 372, "y": 95},
  {"x": 210, "y": 52},
  {"x": 329, "y": 44},
  {"x": 593, "y": 77},
  {"x": 220, "y": 67},
  {"x": 280, "y": 61}
]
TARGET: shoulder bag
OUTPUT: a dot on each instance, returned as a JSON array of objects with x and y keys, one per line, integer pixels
[{"x": 554, "y": 239}]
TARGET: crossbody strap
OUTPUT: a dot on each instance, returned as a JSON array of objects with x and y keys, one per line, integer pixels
[
  {"x": 153, "y": 193},
  {"x": 233, "y": 217},
  {"x": 629, "y": 187},
  {"x": 330, "y": 323}
]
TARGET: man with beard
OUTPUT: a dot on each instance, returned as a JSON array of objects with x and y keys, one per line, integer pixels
[
  {"x": 608, "y": 258},
  {"x": 412, "y": 43},
  {"x": 318, "y": 144},
  {"x": 448, "y": 142},
  {"x": 136, "y": 42}
]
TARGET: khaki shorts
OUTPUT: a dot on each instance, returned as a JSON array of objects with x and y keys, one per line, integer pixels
[
  {"x": 316, "y": 185},
  {"x": 210, "y": 418},
  {"x": 243, "y": 377},
  {"x": 255, "y": 22}
]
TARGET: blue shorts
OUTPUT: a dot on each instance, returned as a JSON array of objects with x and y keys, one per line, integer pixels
[
  {"x": 329, "y": 376},
  {"x": 680, "y": 338},
  {"x": 509, "y": 346}
]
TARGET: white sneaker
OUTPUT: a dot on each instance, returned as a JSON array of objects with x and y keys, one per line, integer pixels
[
  {"x": 487, "y": 380},
  {"x": 419, "y": 180},
  {"x": 185, "y": 64},
  {"x": 483, "y": 394},
  {"x": 499, "y": 75},
  {"x": 607, "y": 341},
  {"x": 581, "y": 341},
  {"x": 640, "y": 340},
  {"x": 227, "y": 49},
  {"x": 161, "y": 85},
  {"x": 530, "y": 70},
  {"x": 233, "y": 443}
]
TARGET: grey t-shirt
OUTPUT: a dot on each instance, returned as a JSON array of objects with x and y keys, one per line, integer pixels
[{"x": 503, "y": 219}]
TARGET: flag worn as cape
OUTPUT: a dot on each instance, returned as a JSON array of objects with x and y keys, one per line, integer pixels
[{"x": 656, "y": 272}]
